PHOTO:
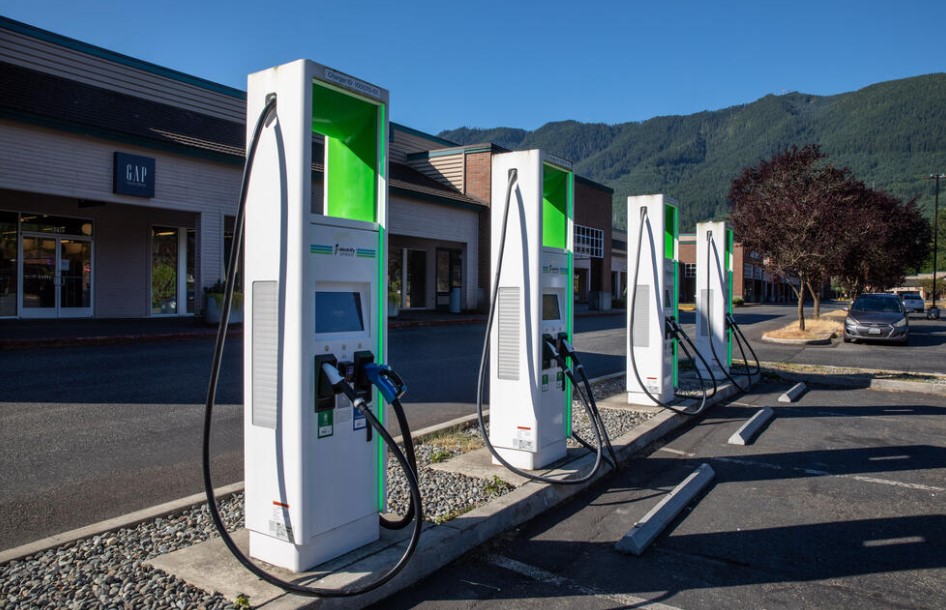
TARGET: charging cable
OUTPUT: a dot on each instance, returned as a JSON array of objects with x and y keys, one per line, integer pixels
[{"x": 591, "y": 406}]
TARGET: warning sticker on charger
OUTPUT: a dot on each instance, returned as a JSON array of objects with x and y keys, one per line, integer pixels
[
  {"x": 524, "y": 441},
  {"x": 279, "y": 524}
]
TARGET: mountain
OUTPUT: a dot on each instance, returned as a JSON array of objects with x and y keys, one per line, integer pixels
[{"x": 892, "y": 135}]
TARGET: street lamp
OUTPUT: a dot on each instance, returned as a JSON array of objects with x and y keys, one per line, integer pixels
[{"x": 935, "y": 177}]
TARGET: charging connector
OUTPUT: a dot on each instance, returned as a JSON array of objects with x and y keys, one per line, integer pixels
[{"x": 324, "y": 388}]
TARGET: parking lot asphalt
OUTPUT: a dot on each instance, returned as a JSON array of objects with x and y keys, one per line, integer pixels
[{"x": 838, "y": 503}]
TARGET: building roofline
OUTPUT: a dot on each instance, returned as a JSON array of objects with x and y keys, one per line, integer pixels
[
  {"x": 419, "y": 133},
  {"x": 119, "y": 58},
  {"x": 453, "y": 150}
]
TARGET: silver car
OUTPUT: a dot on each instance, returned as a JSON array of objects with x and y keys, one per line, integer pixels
[
  {"x": 877, "y": 317},
  {"x": 912, "y": 302}
]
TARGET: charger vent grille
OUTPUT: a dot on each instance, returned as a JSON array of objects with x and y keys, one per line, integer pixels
[
  {"x": 507, "y": 349},
  {"x": 265, "y": 360},
  {"x": 642, "y": 316}
]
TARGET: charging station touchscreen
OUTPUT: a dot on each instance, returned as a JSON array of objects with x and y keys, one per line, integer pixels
[
  {"x": 550, "y": 308},
  {"x": 338, "y": 312}
]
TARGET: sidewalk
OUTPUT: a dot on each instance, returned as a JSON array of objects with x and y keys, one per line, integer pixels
[{"x": 18, "y": 334}]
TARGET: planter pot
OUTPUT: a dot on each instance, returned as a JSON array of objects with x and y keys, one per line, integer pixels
[{"x": 213, "y": 308}]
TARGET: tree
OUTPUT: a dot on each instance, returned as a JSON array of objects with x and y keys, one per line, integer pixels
[
  {"x": 894, "y": 239},
  {"x": 796, "y": 210}
]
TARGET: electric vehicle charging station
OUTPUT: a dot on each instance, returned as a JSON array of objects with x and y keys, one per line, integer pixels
[
  {"x": 714, "y": 269},
  {"x": 315, "y": 281},
  {"x": 653, "y": 221},
  {"x": 530, "y": 396}
]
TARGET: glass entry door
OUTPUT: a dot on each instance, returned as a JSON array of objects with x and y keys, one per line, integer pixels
[
  {"x": 57, "y": 277},
  {"x": 75, "y": 278}
]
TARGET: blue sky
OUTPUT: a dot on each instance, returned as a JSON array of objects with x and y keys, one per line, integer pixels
[{"x": 489, "y": 63}]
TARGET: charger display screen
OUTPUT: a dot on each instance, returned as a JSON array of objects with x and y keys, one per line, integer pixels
[
  {"x": 550, "y": 310},
  {"x": 338, "y": 312}
]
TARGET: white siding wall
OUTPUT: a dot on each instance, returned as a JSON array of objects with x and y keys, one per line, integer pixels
[
  {"x": 51, "y": 58},
  {"x": 406, "y": 143},
  {"x": 448, "y": 169},
  {"x": 430, "y": 221}
]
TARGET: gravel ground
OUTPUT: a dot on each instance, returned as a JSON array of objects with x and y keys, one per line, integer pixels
[{"x": 108, "y": 571}]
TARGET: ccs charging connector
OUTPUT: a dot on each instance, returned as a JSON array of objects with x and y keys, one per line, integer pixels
[{"x": 361, "y": 380}]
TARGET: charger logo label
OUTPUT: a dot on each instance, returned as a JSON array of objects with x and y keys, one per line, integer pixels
[{"x": 340, "y": 250}]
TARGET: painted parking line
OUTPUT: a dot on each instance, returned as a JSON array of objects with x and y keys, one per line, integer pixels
[
  {"x": 811, "y": 472},
  {"x": 548, "y": 578},
  {"x": 823, "y": 473}
]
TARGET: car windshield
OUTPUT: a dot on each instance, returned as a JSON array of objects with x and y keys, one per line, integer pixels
[{"x": 876, "y": 304}]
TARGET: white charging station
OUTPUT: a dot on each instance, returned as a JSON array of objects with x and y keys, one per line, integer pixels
[
  {"x": 714, "y": 260},
  {"x": 314, "y": 281},
  {"x": 530, "y": 405},
  {"x": 654, "y": 350}
]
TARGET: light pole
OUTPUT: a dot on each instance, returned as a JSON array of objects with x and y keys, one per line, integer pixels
[{"x": 935, "y": 177}]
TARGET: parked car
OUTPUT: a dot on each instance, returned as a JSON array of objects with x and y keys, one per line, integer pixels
[
  {"x": 877, "y": 317},
  {"x": 912, "y": 302}
]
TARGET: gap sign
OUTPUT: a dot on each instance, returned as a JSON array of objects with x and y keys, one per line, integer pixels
[{"x": 133, "y": 175}]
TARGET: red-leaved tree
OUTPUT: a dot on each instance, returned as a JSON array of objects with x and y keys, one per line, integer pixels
[{"x": 792, "y": 209}]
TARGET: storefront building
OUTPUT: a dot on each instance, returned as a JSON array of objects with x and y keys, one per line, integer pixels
[{"x": 119, "y": 181}]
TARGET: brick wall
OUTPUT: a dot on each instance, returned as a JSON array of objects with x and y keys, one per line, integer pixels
[
  {"x": 593, "y": 209},
  {"x": 478, "y": 176}
]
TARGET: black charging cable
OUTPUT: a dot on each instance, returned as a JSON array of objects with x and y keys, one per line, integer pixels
[
  {"x": 599, "y": 453},
  {"x": 591, "y": 405},
  {"x": 404, "y": 520},
  {"x": 290, "y": 587}
]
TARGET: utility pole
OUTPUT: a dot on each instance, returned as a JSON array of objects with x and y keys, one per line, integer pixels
[{"x": 935, "y": 177}]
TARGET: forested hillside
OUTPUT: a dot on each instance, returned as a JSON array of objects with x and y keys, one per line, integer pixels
[{"x": 891, "y": 134}]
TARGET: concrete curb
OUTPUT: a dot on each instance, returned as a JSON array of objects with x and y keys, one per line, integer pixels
[
  {"x": 659, "y": 517},
  {"x": 749, "y": 429},
  {"x": 780, "y": 341},
  {"x": 794, "y": 392}
]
